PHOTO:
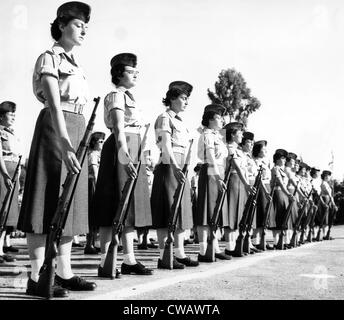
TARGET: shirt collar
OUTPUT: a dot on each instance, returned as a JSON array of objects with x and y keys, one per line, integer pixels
[
  {"x": 59, "y": 50},
  {"x": 172, "y": 114}
]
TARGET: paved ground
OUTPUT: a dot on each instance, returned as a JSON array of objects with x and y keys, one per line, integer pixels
[{"x": 312, "y": 271}]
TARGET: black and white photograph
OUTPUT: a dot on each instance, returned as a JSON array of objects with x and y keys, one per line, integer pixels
[{"x": 171, "y": 155}]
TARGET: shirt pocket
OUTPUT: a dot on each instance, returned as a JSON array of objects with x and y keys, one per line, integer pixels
[{"x": 69, "y": 82}]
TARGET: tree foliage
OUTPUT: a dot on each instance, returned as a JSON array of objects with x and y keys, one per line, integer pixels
[{"x": 232, "y": 92}]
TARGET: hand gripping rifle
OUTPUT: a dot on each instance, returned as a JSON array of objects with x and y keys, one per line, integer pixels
[
  {"x": 213, "y": 223},
  {"x": 262, "y": 244},
  {"x": 6, "y": 204},
  {"x": 257, "y": 186},
  {"x": 280, "y": 244},
  {"x": 110, "y": 262},
  {"x": 239, "y": 245},
  {"x": 293, "y": 240},
  {"x": 47, "y": 272},
  {"x": 167, "y": 258}
]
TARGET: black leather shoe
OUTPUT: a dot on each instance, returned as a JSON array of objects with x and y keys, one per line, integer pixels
[
  {"x": 152, "y": 246},
  {"x": 270, "y": 247},
  {"x": 176, "y": 264},
  {"x": 102, "y": 275},
  {"x": 90, "y": 250},
  {"x": 255, "y": 250},
  {"x": 58, "y": 292},
  {"x": 223, "y": 256},
  {"x": 235, "y": 254},
  {"x": 187, "y": 261},
  {"x": 204, "y": 258},
  {"x": 188, "y": 241},
  {"x": 10, "y": 249},
  {"x": 137, "y": 268},
  {"x": 75, "y": 284},
  {"x": 142, "y": 246}
]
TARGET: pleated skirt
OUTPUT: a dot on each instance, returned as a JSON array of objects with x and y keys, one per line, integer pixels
[
  {"x": 262, "y": 202},
  {"x": 45, "y": 175},
  {"x": 163, "y": 190},
  {"x": 110, "y": 182},
  {"x": 237, "y": 197},
  {"x": 13, "y": 214},
  {"x": 281, "y": 202},
  {"x": 208, "y": 194}
]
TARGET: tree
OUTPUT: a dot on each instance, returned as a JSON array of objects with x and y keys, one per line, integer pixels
[{"x": 232, "y": 92}]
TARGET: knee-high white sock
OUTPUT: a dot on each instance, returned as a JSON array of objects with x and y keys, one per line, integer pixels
[
  {"x": 179, "y": 252},
  {"x": 203, "y": 248},
  {"x": 216, "y": 246},
  {"x": 102, "y": 259},
  {"x": 35, "y": 267},
  {"x": 161, "y": 253},
  {"x": 129, "y": 258},
  {"x": 64, "y": 268}
]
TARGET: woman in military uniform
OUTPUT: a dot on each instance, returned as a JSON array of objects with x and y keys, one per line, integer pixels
[
  {"x": 328, "y": 201},
  {"x": 172, "y": 139},
  {"x": 259, "y": 154},
  {"x": 117, "y": 164},
  {"x": 281, "y": 196},
  {"x": 9, "y": 154},
  {"x": 58, "y": 83},
  {"x": 213, "y": 153},
  {"x": 239, "y": 186}
]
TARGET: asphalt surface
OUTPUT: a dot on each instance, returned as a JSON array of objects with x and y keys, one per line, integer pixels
[{"x": 313, "y": 271}]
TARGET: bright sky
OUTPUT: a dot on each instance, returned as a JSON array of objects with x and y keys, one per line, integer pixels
[{"x": 289, "y": 52}]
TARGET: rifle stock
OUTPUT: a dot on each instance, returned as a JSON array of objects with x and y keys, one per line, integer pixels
[
  {"x": 167, "y": 258},
  {"x": 280, "y": 244},
  {"x": 7, "y": 202},
  {"x": 47, "y": 271},
  {"x": 239, "y": 245},
  {"x": 262, "y": 244},
  {"x": 213, "y": 224},
  {"x": 109, "y": 270},
  {"x": 257, "y": 185}
]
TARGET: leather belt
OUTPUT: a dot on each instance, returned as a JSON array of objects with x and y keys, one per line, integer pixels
[{"x": 69, "y": 107}]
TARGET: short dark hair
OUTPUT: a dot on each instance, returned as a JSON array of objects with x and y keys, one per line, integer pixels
[
  {"x": 229, "y": 133},
  {"x": 116, "y": 73},
  {"x": 257, "y": 148},
  {"x": 277, "y": 156},
  {"x": 171, "y": 94},
  {"x": 55, "y": 30},
  {"x": 207, "y": 116},
  {"x": 94, "y": 139}
]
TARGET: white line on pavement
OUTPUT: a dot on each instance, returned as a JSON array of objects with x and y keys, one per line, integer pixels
[{"x": 173, "y": 280}]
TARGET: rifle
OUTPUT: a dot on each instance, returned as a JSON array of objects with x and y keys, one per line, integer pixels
[
  {"x": 6, "y": 204},
  {"x": 167, "y": 258},
  {"x": 238, "y": 250},
  {"x": 280, "y": 244},
  {"x": 262, "y": 244},
  {"x": 121, "y": 215},
  {"x": 293, "y": 240},
  {"x": 213, "y": 223},
  {"x": 257, "y": 185},
  {"x": 58, "y": 222}
]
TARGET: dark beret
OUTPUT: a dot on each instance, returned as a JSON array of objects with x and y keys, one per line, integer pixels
[{"x": 74, "y": 9}]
